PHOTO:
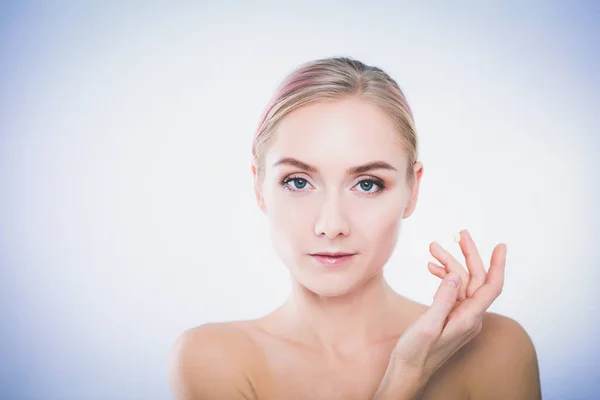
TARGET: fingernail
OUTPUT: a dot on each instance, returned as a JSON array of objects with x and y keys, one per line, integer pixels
[{"x": 457, "y": 237}]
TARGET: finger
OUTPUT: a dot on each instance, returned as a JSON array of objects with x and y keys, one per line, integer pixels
[
  {"x": 492, "y": 287},
  {"x": 437, "y": 270},
  {"x": 443, "y": 302},
  {"x": 452, "y": 265},
  {"x": 474, "y": 264}
]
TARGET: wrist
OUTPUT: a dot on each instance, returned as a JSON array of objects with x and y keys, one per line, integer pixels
[{"x": 401, "y": 384}]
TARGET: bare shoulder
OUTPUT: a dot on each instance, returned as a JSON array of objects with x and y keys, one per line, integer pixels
[
  {"x": 503, "y": 363},
  {"x": 213, "y": 361}
]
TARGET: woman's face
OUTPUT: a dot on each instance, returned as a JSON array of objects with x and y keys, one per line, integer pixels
[{"x": 324, "y": 206}]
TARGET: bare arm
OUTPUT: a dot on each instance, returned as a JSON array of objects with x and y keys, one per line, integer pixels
[
  {"x": 207, "y": 363},
  {"x": 507, "y": 366}
]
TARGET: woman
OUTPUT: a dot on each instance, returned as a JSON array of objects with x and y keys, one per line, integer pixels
[{"x": 335, "y": 170}]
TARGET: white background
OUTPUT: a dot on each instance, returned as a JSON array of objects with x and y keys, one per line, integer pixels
[{"x": 127, "y": 211}]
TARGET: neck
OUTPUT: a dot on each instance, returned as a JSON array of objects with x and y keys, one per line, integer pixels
[{"x": 342, "y": 324}]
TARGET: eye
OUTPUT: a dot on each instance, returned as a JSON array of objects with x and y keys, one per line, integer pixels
[
  {"x": 300, "y": 183},
  {"x": 297, "y": 184},
  {"x": 367, "y": 185}
]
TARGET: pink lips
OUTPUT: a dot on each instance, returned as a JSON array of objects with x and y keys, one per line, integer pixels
[{"x": 328, "y": 259}]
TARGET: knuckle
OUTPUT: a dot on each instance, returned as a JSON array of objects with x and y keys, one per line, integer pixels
[
  {"x": 463, "y": 326},
  {"x": 477, "y": 326},
  {"x": 470, "y": 324}
]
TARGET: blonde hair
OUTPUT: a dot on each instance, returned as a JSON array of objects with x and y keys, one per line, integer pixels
[{"x": 337, "y": 78}]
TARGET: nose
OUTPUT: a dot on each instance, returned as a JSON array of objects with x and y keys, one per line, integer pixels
[{"x": 332, "y": 221}]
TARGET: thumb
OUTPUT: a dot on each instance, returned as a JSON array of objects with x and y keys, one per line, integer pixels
[{"x": 444, "y": 300}]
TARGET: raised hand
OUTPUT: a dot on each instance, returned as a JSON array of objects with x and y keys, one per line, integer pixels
[
  {"x": 476, "y": 278},
  {"x": 454, "y": 318}
]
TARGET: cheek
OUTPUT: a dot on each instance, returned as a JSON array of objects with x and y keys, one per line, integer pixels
[
  {"x": 284, "y": 216},
  {"x": 381, "y": 224},
  {"x": 287, "y": 228}
]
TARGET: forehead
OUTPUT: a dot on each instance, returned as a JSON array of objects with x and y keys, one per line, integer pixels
[{"x": 342, "y": 132}]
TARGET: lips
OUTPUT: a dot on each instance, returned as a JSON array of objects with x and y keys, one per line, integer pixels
[
  {"x": 330, "y": 259},
  {"x": 336, "y": 254}
]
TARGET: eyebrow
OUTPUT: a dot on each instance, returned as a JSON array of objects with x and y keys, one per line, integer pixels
[{"x": 350, "y": 171}]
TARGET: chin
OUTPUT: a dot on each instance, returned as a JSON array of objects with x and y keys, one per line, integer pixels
[
  {"x": 329, "y": 286},
  {"x": 322, "y": 281},
  {"x": 329, "y": 291}
]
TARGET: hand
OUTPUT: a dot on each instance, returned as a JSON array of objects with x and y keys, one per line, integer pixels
[{"x": 454, "y": 318}]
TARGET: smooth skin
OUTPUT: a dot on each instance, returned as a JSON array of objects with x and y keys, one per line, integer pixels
[{"x": 344, "y": 333}]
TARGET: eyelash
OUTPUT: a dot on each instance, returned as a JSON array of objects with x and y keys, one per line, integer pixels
[{"x": 292, "y": 178}]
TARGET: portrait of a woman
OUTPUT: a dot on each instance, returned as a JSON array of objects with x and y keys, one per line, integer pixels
[{"x": 336, "y": 171}]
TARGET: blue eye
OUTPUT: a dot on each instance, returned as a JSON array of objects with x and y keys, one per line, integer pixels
[
  {"x": 300, "y": 183},
  {"x": 369, "y": 184}
]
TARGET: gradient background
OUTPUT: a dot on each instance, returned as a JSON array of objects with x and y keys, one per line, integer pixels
[{"x": 127, "y": 212}]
